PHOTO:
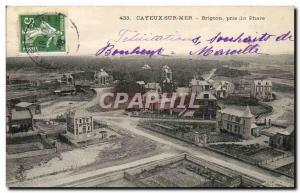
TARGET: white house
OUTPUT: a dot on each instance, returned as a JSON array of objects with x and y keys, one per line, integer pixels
[
  {"x": 237, "y": 122},
  {"x": 153, "y": 86},
  {"x": 79, "y": 124},
  {"x": 198, "y": 86},
  {"x": 67, "y": 78},
  {"x": 262, "y": 89},
  {"x": 102, "y": 78},
  {"x": 223, "y": 89},
  {"x": 146, "y": 67}
]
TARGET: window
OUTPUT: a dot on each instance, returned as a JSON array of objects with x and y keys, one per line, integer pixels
[
  {"x": 206, "y": 96},
  {"x": 237, "y": 129},
  {"x": 237, "y": 119},
  {"x": 169, "y": 75},
  {"x": 229, "y": 127}
]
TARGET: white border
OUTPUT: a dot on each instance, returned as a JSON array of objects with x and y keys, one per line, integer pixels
[{"x": 5, "y": 3}]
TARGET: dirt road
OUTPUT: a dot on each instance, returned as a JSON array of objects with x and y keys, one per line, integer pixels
[{"x": 224, "y": 161}]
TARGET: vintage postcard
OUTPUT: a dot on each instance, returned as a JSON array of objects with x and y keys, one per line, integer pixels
[{"x": 150, "y": 97}]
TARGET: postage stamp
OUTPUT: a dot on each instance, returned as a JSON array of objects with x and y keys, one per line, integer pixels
[{"x": 42, "y": 33}]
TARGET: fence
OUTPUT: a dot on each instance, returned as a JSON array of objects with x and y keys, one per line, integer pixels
[
  {"x": 274, "y": 159},
  {"x": 269, "y": 110},
  {"x": 22, "y": 134},
  {"x": 31, "y": 153}
]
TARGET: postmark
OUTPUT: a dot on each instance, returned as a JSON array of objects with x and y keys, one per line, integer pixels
[{"x": 43, "y": 33}]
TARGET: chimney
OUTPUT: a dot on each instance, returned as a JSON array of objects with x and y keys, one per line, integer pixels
[{"x": 265, "y": 121}]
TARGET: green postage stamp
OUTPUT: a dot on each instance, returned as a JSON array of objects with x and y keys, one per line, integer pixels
[{"x": 42, "y": 33}]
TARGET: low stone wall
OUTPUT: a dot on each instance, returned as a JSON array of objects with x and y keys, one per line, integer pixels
[
  {"x": 31, "y": 153},
  {"x": 269, "y": 109},
  {"x": 99, "y": 179},
  {"x": 237, "y": 177}
]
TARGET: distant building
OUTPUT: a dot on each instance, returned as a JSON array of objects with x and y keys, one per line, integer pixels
[
  {"x": 103, "y": 78},
  {"x": 237, "y": 122},
  {"x": 208, "y": 105},
  {"x": 32, "y": 107},
  {"x": 282, "y": 138},
  {"x": 153, "y": 86},
  {"x": 79, "y": 125},
  {"x": 19, "y": 118},
  {"x": 149, "y": 94},
  {"x": 182, "y": 90},
  {"x": 262, "y": 89},
  {"x": 167, "y": 79},
  {"x": 64, "y": 90},
  {"x": 223, "y": 89},
  {"x": 141, "y": 83},
  {"x": 18, "y": 121},
  {"x": 198, "y": 86},
  {"x": 67, "y": 78},
  {"x": 146, "y": 67},
  {"x": 161, "y": 104}
]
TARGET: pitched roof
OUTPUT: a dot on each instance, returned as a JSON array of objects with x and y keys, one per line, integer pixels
[
  {"x": 140, "y": 82},
  {"x": 287, "y": 131},
  {"x": 101, "y": 73},
  {"x": 151, "y": 93},
  {"x": 247, "y": 112},
  {"x": 24, "y": 104},
  {"x": 166, "y": 68},
  {"x": 196, "y": 82},
  {"x": 78, "y": 113},
  {"x": 146, "y": 67},
  {"x": 237, "y": 112},
  {"x": 273, "y": 130},
  {"x": 152, "y": 85},
  {"x": 263, "y": 82},
  {"x": 203, "y": 95},
  {"x": 253, "y": 125}
]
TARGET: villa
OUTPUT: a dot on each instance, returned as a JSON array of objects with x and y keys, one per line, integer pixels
[
  {"x": 262, "y": 89},
  {"x": 237, "y": 122}
]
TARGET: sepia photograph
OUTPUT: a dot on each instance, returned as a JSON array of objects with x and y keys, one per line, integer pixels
[{"x": 150, "y": 97}]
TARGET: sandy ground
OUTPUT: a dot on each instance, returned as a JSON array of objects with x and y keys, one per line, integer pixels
[
  {"x": 63, "y": 178},
  {"x": 70, "y": 160},
  {"x": 282, "y": 106}
]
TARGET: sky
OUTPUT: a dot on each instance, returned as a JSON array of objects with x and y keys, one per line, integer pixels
[{"x": 96, "y": 26}]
